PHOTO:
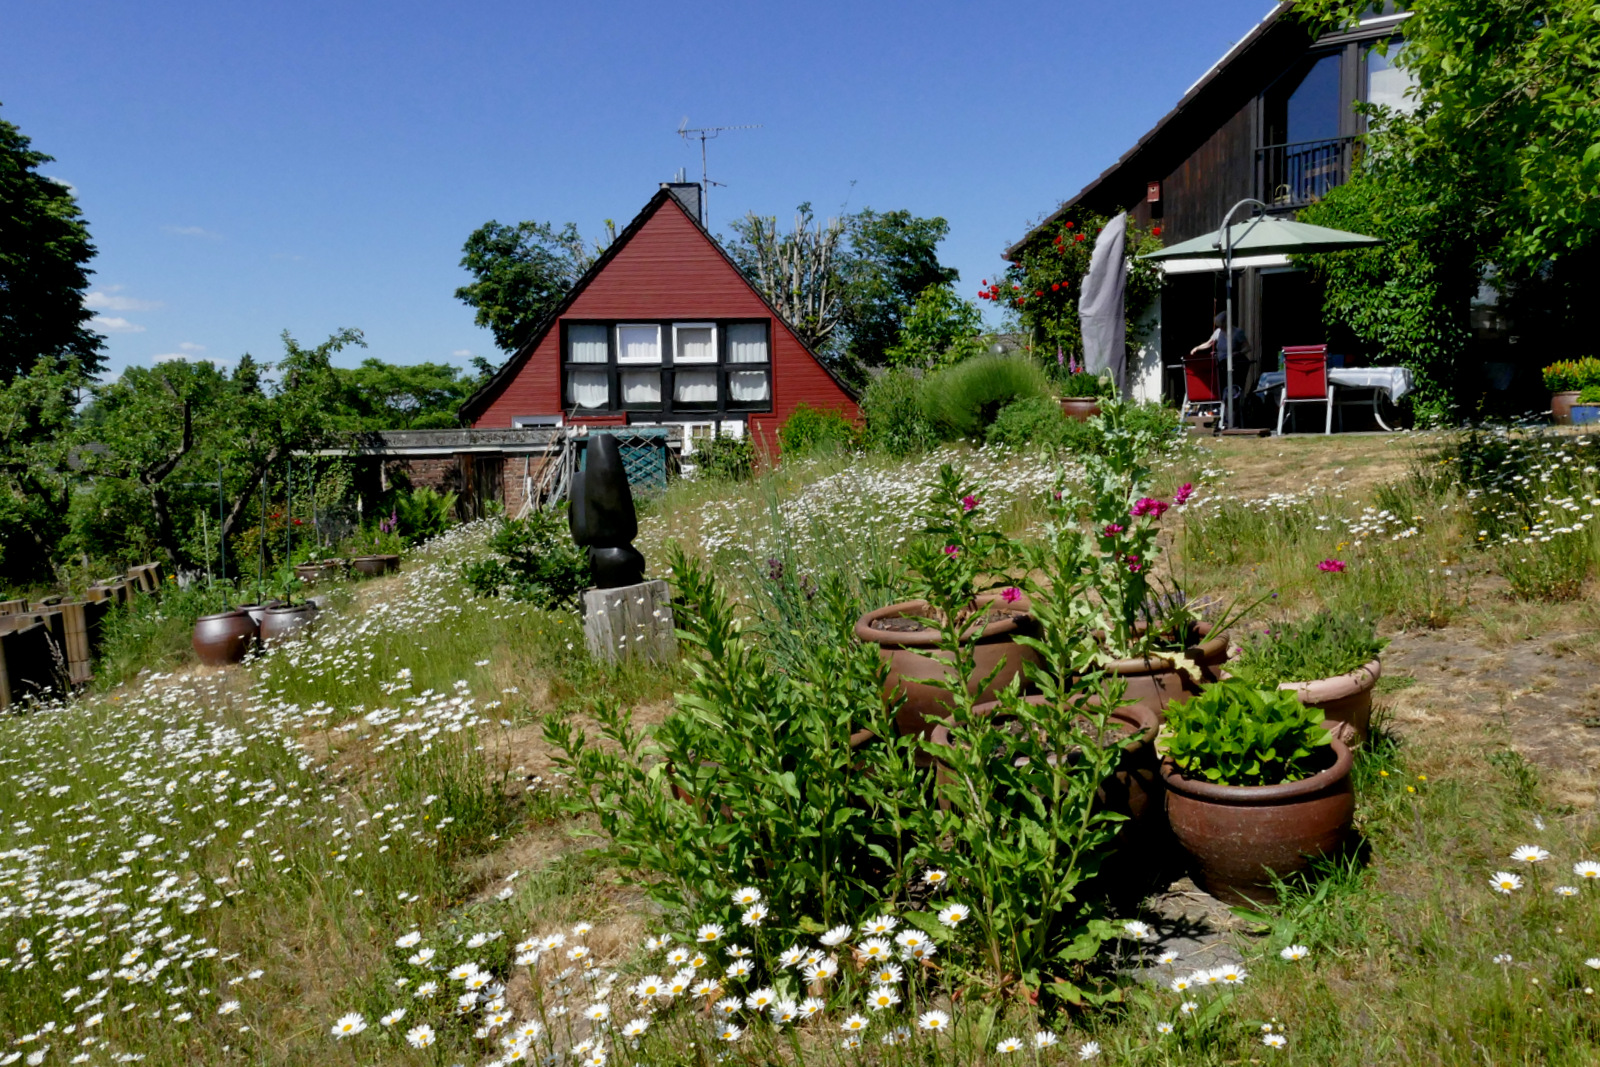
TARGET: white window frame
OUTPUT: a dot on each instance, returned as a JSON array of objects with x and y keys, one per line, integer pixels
[
  {"x": 624, "y": 361},
  {"x": 524, "y": 422},
  {"x": 715, "y": 352},
  {"x": 766, "y": 329}
]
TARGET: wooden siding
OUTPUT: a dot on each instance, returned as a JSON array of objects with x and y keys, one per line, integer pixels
[
  {"x": 1198, "y": 192},
  {"x": 669, "y": 269}
]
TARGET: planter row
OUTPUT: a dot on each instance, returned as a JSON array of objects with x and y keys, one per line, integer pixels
[
  {"x": 228, "y": 636},
  {"x": 330, "y": 569}
]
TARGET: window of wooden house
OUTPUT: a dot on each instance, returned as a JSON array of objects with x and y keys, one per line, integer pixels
[
  {"x": 588, "y": 377},
  {"x": 667, "y": 368},
  {"x": 1387, "y": 82},
  {"x": 1306, "y": 104},
  {"x": 749, "y": 373}
]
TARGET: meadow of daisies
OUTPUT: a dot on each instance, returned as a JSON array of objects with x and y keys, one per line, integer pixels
[{"x": 354, "y": 849}]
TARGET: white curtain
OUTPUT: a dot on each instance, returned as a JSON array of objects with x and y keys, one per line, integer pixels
[
  {"x": 696, "y": 344},
  {"x": 588, "y": 389},
  {"x": 586, "y": 344},
  {"x": 641, "y": 387},
  {"x": 638, "y": 344},
  {"x": 747, "y": 343},
  {"x": 695, "y": 387},
  {"x": 748, "y": 386}
]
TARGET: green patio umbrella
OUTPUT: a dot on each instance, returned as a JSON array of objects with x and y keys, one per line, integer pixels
[{"x": 1260, "y": 235}]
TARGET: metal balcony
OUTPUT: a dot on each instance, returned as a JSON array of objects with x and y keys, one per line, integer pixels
[{"x": 1293, "y": 175}]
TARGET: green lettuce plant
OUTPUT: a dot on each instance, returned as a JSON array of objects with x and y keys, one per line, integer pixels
[{"x": 1236, "y": 734}]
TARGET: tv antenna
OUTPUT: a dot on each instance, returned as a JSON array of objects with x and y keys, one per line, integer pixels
[{"x": 706, "y": 133}]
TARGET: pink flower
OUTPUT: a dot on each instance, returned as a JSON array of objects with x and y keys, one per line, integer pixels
[
  {"x": 1149, "y": 505},
  {"x": 955, "y": 550},
  {"x": 1011, "y": 594},
  {"x": 1112, "y": 529},
  {"x": 1185, "y": 491},
  {"x": 1135, "y": 567},
  {"x": 968, "y": 503},
  {"x": 1331, "y": 566}
]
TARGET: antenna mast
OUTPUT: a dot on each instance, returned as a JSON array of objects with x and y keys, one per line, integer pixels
[{"x": 706, "y": 133}]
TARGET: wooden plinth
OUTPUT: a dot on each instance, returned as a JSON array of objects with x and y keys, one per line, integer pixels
[{"x": 634, "y": 620}]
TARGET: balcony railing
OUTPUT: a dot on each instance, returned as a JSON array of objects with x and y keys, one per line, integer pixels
[{"x": 1291, "y": 175}]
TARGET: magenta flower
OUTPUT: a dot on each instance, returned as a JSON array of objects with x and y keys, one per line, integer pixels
[
  {"x": 1185, "y": 491},
  {"x": 1149, "y": 505},
  {"x": 1135, "y": 566},
  {"x": 1114, "y": 528},
  {"x": 968, "y": 503},
  {"x": 1011, "y": 594},
  {"x": 1331, "y": 566},
  {"x": 952, "y": 550}
]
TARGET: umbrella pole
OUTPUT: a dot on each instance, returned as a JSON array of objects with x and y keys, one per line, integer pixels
[{"x": 1225, "y": 240}]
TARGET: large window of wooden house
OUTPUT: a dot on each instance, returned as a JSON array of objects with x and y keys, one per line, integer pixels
[
  {"x": 1306, "y": 104},
  {"x": 1387, "y": 82},
  {"x": 667, "y": 368}
]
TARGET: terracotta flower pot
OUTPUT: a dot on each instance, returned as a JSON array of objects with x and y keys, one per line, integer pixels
[
  {"x": 285, "y": 620},
  {"x": 1346, "y": 698},
  {"x": 312, "y": 573},
  {"x": 223, "y": 638},
  {"x": 1155, "y": 681},
  {"x": 1561, "y": 407},
  {"x": 1235, "y": 835},
  {"x": 913, "y": 656},
  {"x": 368, "y": 566},
  {"x": 1079, "y": 407}
]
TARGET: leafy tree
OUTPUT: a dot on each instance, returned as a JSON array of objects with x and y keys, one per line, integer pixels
[
  {"x": 44, "y": 246},
  {"x": 798, "y": 272},
  {"x": 521, "y": 274},
  {"x": 379, "y": 395},
  {"x": 940, "y": 327},
  {"x": 36, "y": 417},
  {"x": 893, "y": 259}
]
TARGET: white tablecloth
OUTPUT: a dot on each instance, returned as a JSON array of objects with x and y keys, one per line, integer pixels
[{"x": 1396, "y": 381}]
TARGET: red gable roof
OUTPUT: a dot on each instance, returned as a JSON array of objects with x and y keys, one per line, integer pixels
[{"x": 664, "y": 265}]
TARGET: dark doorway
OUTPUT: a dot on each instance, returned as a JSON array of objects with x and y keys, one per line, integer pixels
[
  {"x": 1291, "y": 314},
  {"x": 1189, "y": 303}
]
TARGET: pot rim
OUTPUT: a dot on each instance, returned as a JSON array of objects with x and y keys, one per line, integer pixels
[
  {"x": 292, "y": 609},
  {"x": 1337, "y": 687},
  {"x": 1209, "y": 648},
  {"x": 231, "y": 613},
  {"x": 929, "y": 639},
  {"x": 1245, "y": 796}
]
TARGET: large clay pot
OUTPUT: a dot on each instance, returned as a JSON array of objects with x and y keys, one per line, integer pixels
[
  {"x": 1346, "y": 698},
  {"x": 1235, "y": 835},
  {"x": 285, "y": 620},
  {"x": 913, "y": 656},
  {"x": 368, "y": 566},
  {"x": 391, "y": 563},
  {"x": 258, "y": 612},
  {"x": 1079, "y": 408},
  {"x": 223, "y": 638},
  {"x": 1154, "y": 681},
  {"x": 1561, "y": 407},
  {"x": 312, "y": 573}
]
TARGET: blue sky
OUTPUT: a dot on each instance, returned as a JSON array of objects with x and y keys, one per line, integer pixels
[{"x": 250, "y": 168}]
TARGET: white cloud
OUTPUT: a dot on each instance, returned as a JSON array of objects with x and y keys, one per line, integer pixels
[
  {"x": 462, "y": 353},
  {"x": 193, "y": 231},
  {"x": 68, "y": 186},
  {"x": 115, "y": 324},
  {"x": 110, "y": 299},
  {"x": 190, "y": 346}
]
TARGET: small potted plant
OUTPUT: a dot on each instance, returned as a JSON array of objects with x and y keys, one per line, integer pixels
[
  {"x": 1081, "y": 393},
  {"x": 1566, "y": 379},
  {"x": 1257, "y": 787},
  {"x": 1330, "y": 661},
  {"x": 1586, "y": 412}
]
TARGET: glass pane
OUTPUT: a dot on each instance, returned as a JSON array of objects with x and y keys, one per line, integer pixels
[
  {"x": 586, "y": 344},
  {"x": 748, "y": 386},
  {"x": 638, "y": 344},
  {"x": 696, "y": 344},
  {"x": 747, "y": 343},
  {"x": 695, "y": 387},
  {"x": 1304, "y": 105},
  {"x": 588, "y": 389},
  {"x": 641, "y": 388},
  {"x": 1387, "y": 83}
]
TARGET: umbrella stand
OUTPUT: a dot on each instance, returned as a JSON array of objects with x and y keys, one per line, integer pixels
[{"x": 1226, "y": 242}]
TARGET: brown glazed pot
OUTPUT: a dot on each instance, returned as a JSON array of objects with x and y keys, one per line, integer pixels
[
  {"x": 1561, "y": 407},
  {"x": 312, "y": 573},
  {"x": 391, "y": 563},
  {"x": 1346, "y": 698},
  {"x": 1079, "y": 407},
  {"x": 285, "y": 620},
  {"x": 1235, "y": 834},
  {"x": 223, "y": 638},
  {"x": 913, "y": 656},
  {"x": 368, "y": 566},
  {"x": 1154, "y": 681}
]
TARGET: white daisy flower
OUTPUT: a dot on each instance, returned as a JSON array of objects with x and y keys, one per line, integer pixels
[
  {"x": 1008, "y": 1045},
  {"x": 954, "y": 915},
  {"x": 882, "y": 997},
  {"x": 636, "y": 1027},
  {"x": 409, "y": 940},
  {"x": 854, "y": 1023},
  {"x": 708, "y": 933},
  {"x": 747, "y": 896},
  {"x": 1088, "y": 1050},
  {"x": 1274, "y": 1040},
  {"x": 1295, "y": 952},
  {"x": 835, "y": 936},
  {"x": 349, "y": 1025},
  {"x": 1529, "y": 854},
  {"x": 420, "y": 1036},
  {"x": 1504, "y": 882},
  {"x": 1586, "y": 869},
  {"x": 933, "y": 1020}
]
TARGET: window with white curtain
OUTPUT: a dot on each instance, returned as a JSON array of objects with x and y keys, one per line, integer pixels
[
  {"x": 694, "y": 342},
  {"x": 639, "y": 344},
  {"x": 589, "y": 389},
  {"x": 747, "y": 342},
  {"x": 695, "y": 388},
  {"x": 749, "y": 387},
  {"x": 588, "y": 344},
  {"x": 640, "y": 388}
]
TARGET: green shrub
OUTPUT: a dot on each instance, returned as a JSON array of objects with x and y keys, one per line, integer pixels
[
  {"x": 1572, "y": 375},
  {"x": 961, "y": 401},
  {"x": 730, "y": 459},
  {"x": 810, "y": 429},
  {"x": 153, "y": 632},
  {"x": 1589, "y": 395},
  {"x": 1034, "y": 423},
  {"x": 1084, "y": 385},
  {"x": 1236, "y": 734},
  {"x": 892, "y": 408},
  {"x": 1323, "y": 646},
  {"x": 423, "y": 513},
  {"x": 537, "y": 563}
]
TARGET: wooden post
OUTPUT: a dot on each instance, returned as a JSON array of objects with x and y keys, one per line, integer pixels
[{"x": 631, "y": 620}]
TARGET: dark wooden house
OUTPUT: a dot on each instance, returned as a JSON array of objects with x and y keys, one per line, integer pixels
[{"x": 1273, "y": 120}]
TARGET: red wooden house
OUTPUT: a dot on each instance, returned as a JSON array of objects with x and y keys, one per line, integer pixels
[{"x": 663, "y": 330}]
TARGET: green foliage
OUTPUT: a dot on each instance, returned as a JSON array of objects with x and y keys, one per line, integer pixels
[
  {"x": 962, "y": 400},
  {"x": 1083, "y": 385},
  {"x": 893, "y": 261},
  {"x": 798, "y": 272},
  {"x": 1035, "y": 422},
  {"x": 520, "y": 274},
  {"x": 728, "y": 458},
  {"x": 44, "y": 246},
  {"x": 1236, "y": 734},
  {"x": 810, "y": 429},
  {"x": 386, "y": 396},
  {"x": 153, "y": 632},
  {"x": 537, "y": 562},
  {"x": 1325, "y": 645},
  {"x": 1590, "y": 394},
  {"x": 939, "y": 328},
  {"x": 36, "y": 415},
  {"x": 423, "y": 513},
  {"x": 891, "y": 404},
  {"x": 1570, "y": 375}
]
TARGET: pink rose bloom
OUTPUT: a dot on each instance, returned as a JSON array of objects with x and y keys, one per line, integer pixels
[
  {"x": 1331, "y": 566},
  {"x": 1011, "y": 594}
]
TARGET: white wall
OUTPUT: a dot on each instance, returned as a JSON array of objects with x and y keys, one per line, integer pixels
[{"x": 1144, "y": 376}]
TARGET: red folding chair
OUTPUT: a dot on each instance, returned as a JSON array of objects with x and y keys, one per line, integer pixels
[
  {"x": 1202, "y": 386},
  {"x": 1306, "y": 381}
]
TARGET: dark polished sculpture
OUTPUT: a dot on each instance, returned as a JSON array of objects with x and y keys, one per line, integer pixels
[{"x": 602, "y": 518}]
